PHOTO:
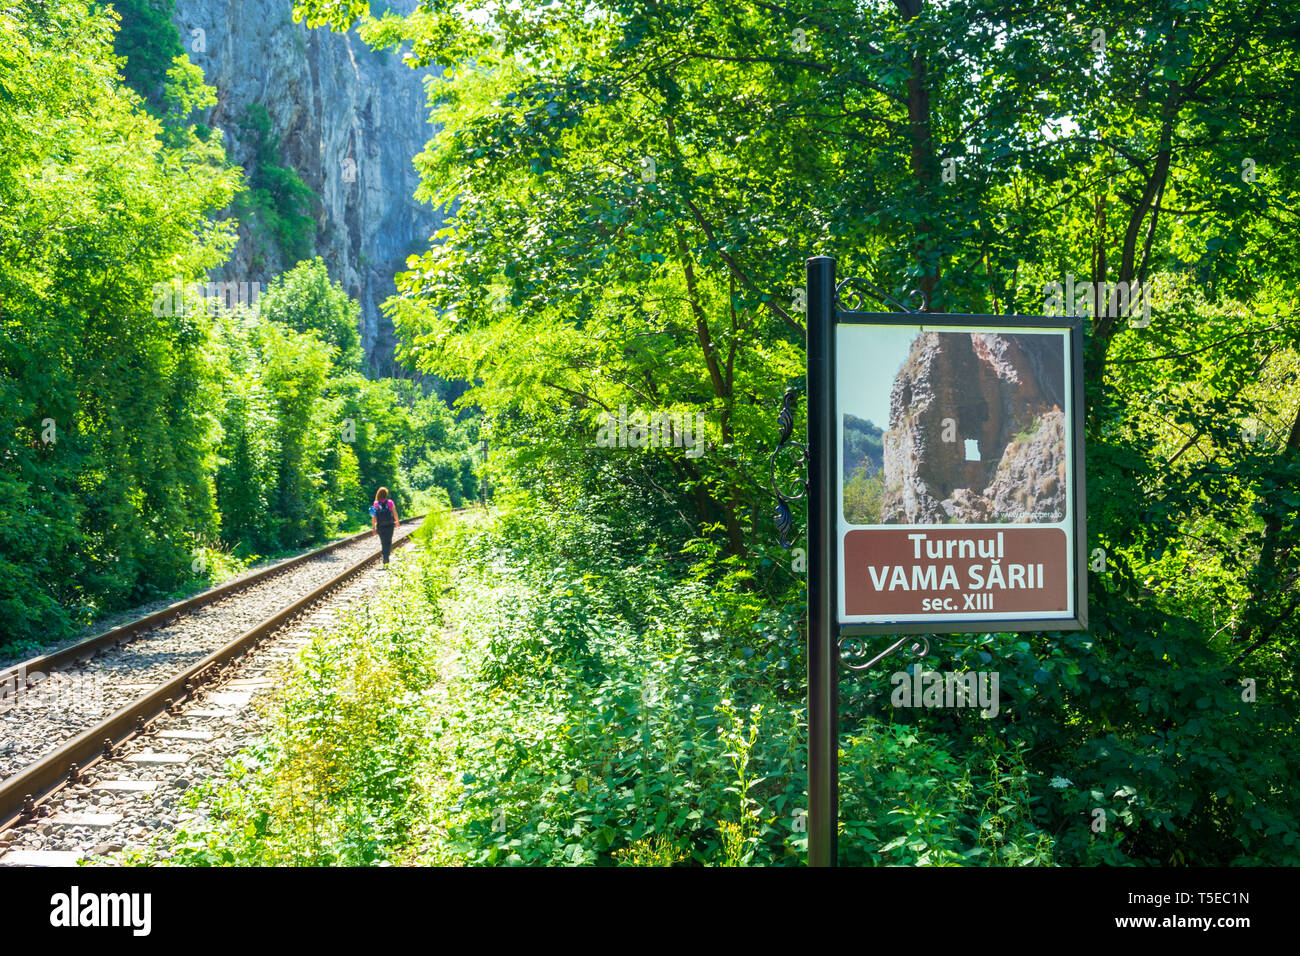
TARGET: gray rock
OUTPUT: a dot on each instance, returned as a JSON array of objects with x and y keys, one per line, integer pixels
[
  {"x": 976, "y": 432},
  {"x": 330, "y": 99}
]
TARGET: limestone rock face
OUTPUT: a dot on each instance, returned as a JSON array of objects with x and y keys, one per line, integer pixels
[
  {"x": 976, "y": 432},
  {"x": 1030, "y": 481},
  {"x": 350, "y": 122}
]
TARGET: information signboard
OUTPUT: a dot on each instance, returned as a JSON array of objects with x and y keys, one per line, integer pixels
[
  {"x": 958, "y": 463},
  {"x": 945, "y": 492}
]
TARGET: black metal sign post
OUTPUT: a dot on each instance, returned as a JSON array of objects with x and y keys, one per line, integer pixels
[
  {"x": 1044, "y": 550},
  {"x": 823, "y": 650}
]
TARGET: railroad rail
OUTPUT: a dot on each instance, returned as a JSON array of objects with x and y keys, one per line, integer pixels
[
  {"x": 23, "y": 793},
  {"x": 88, "y": 647}
]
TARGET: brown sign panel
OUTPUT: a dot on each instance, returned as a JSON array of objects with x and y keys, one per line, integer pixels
[
  {"x": 918, "y": 572},
  {"x": 960, "y": 473}
]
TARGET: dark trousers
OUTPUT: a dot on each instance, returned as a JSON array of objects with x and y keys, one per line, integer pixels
[{"x": 386, "y": 538}]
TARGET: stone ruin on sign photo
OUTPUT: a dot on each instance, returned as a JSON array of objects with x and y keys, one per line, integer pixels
[{"x": 976, "y": 431}]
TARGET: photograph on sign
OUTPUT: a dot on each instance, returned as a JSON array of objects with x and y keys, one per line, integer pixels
[{"x": 957, "y": 474}]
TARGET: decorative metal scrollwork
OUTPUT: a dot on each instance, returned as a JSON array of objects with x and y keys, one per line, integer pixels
[
  {"x": 851, "y": 294},
  {"x": 785, "y": 421},
  {"x": 854, "y": 647}
]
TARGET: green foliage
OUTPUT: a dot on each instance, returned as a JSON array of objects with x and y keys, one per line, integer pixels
[
  {"x": 217, "y": 562},
  {"x": 632, "y": 191},
  {"x": 658, "y": 850},
  {"x": 622, "y": 714},
  {"x": 599, "y": 709},
  {"x": 908, "y": 801},
  {"x": 306, "y": 442},
  {"x": 438, "y": 451},
  {"x": 185, "y": 93},
  {"x": 147, "y": 432},
  {"x": 156, "y": 66},
  {"x": 276, "y": 432},
  {"x": 309, "y": 439},
  {"x": 305, "y": 299},
  {"x": 864, "y": 446},
  {"x": 107, "y": 456},
  {"x": 150, "y": 43},
  {"x": 603, "y": 713},
  {"x": 572, "y": 279},
  {"x": 277, "y": 202}
]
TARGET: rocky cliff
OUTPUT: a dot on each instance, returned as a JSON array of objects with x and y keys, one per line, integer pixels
[
  {"x": 976, "y": 432},
  {"x": 350, "y": 121}
]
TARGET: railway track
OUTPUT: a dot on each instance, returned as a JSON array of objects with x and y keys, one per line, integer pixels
[{"x": 83, "y": 708}]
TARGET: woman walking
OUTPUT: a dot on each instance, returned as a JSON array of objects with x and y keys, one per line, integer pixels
[{"x": 383, "y": 519}]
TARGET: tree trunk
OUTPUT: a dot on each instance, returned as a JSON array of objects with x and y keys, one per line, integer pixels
[{"x": 1272, "y": 557}]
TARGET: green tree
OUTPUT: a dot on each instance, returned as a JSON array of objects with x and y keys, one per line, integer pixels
[
  {"x": 305, "y": 299},
  {"x": 635, "y": 187},
  {"x": 149, "y": 42},
  {"x": 107, "y": 454},
  {"x": 863, "y": 496},
  {"x": 277, "y": 202},
  {"x": 296, "y": 368}
]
